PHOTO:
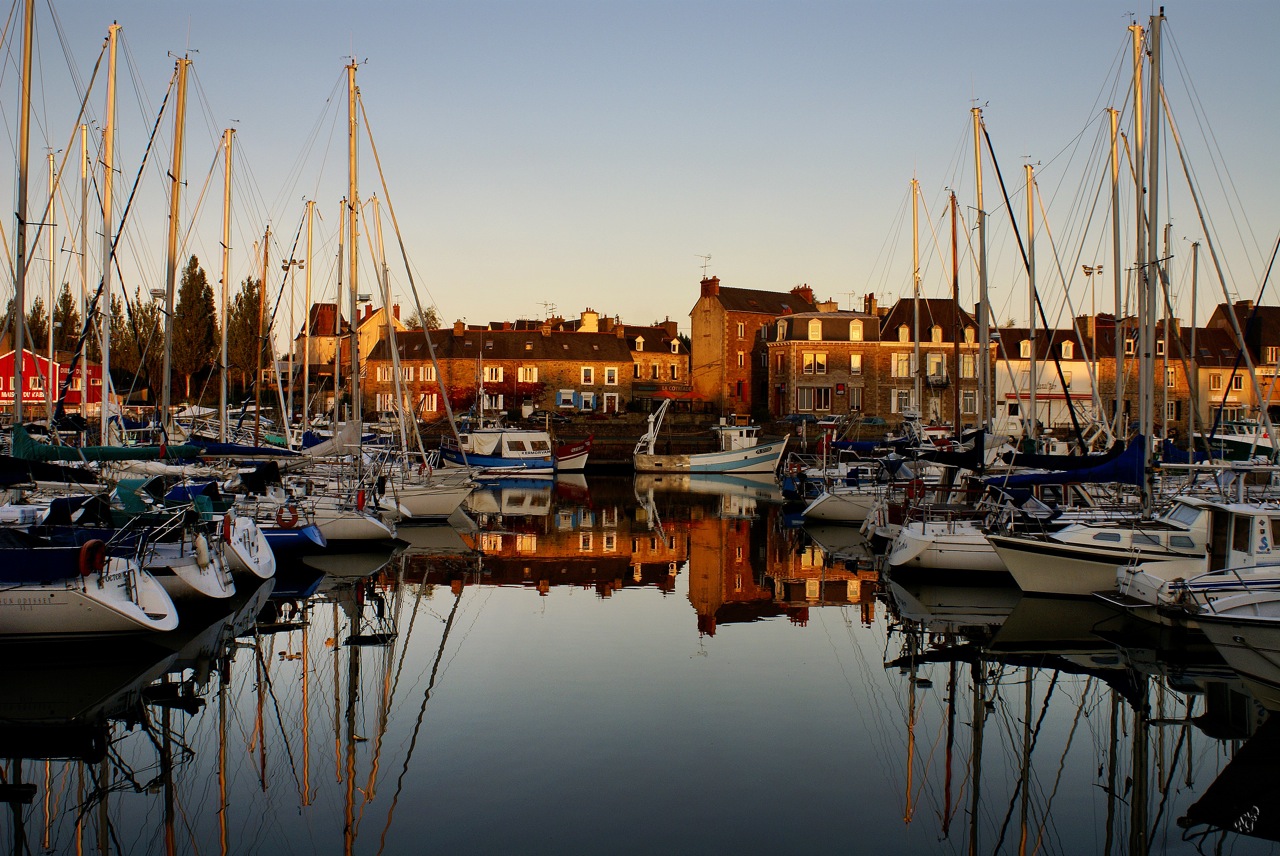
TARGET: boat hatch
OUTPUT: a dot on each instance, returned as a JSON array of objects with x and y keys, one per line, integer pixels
[{"x": 1183, "y": 514}]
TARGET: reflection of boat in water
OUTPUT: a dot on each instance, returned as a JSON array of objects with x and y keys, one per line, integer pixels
[
  {"x": 975, "y": 611},
  {"x": 522, "y": 497},
  {"x": 1243, "y": 797},
  {"x": 350, "y": 565},
  {"x": 844, "y": 543},
  {"x": 739, "y": 494}
]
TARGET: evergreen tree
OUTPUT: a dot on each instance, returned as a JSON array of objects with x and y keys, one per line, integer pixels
[
  {"x": 124, "y": 353},
  {"x": 243, "y": 343},
  {"x": 195, "y": 326},
  {"x": 66, "y": 321},
  {"x": 38, "y": 326}
]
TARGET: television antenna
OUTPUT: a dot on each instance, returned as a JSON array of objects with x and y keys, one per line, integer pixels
[
  {"x": 547, "y": 309},
  {"x": 706, "y": 263}
]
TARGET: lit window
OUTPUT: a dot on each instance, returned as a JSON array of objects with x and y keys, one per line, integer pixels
[
  {"x": 904, "y": 334},
  {"x": 815, "y": 330},
  {"x": 493, "y": 374},
  {"x": 742, "y": 329},
  {"x": 855, "y": 364},
  {"x": 1024, "y": 349},
  {"x": 588, "y": 375},
  {"x": 855, "y": 331},
  {"x": 1068, "y": 350},
  {"x": 610, "y": 376},
  {"x": 935, "y": 334}
]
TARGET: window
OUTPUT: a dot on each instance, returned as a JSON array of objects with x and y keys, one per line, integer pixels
[
  {"x": 902, "y": 365},
  {"x": 1068, "y": 350},
  {"x": 407, "y": 371},
  {"x": 564, "y": 398},
  {"x": 639, "y": 343},
  {"x": 488, "y": 344},
  {"x": 742, "y": 329},
  {"x": 588, "y": 375},
  {"x": 675, "y": 346},
  {"x": 428, "y": 402},
  {"x": 1170, "y": 378},
  {"x": 935, "y": 333},
  {"x": 937, "y": 365},
  {"x": 426, "y": 373},
  {"x": 969, "y": 401},
  {"x": 904, "y": 334},
  {"x": 1172, "y": 411},
  {"x": 815, "y": 329},
  {"x": 1024, "y": 349},
  {"x": 901, "y": 400},
  {"x": 654, "y": 372},
  {"x": 855, "y": 398},
  {"x": 97, "y": 381},
  {"x": 822, "y": 398},
  {"x": 968, "y": 366},
  {"x": 782, "y": 330},
  {"x": 1272, "y": 354},
  {"x": 1237, "y": 382},
  {"x": 528, "y": 346},
  {"x": 383, "y": 374},
  {"x": 855, "y": 331},
  {"x": 855, "y": 364},
  {"x": 815, "y": 363},
  {"x": 1129, "y": 347},
  {"x": 635, "y": 370},
  {"x": 1242, "y": 528},
  {"x": 741, "y": 359},
  {"x": 527, "y": 374},
  {"x": 970, "y": 335},
  {"x": 584, "y": 542},
  {"x": 1014, "y": 409},
  {"x": 1215, "y": 381},
  {"x": 1159, "y": 347},
  {"x": 588, "y": 401},
  {"x": 804, "y": 398},
  {"x": 37, "y": 382},
  {"x": 675, "y": 372},
  {"x": 611, "y": 376},
  {"x": 493, "y": 374}
]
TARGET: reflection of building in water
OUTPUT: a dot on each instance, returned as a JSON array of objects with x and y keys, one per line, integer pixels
[
  {"x": 807, "y": 576},
  {"x": 574, "y": 545},
  {"x": 743, "y": 570}
]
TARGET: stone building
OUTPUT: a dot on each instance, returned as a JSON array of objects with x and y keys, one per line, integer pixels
[
  {"x": 824, "y": 362},
  {"x": 948, "y": 369},
  {"x": 730, "y": 356}
]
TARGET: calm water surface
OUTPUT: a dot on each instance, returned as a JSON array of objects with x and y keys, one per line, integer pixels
[{"x": 653, "y": 666}]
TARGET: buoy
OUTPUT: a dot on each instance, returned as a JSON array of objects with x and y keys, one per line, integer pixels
[
  {"x": 93, "y": 557},
  {"x": 286, "y": 517}
]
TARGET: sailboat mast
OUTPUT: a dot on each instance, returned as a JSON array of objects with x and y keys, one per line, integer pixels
[
  {"x": 917, "y": 369},
  {"x": 84, "y": 253},
  {"x": 392, "y": 343},
  {"x": 18, "y": 317},
  {"x": 1030, "y": 430},
  {"x": 353, "y": 226},
  {"x": 337, "y": 317},
  {"x": 987, "y": 407},
  {"x": 108, "y": 174},
  {"x": 1145, "y": 353},
  {"x": 227, "y": 137},
  {"x": 51, "y": 379},
  {"x": 262, "y": 311},
  {"x": 955, "y": 326},
  {"x": 1116, "y": 267},
  {"x": 171, "y": 263},
  {"x": 306, "y": 337},
  {"x": 1150, "y": 273}
]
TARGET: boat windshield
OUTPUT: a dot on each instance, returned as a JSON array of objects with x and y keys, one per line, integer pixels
[{"x": 1183, "y": 514}]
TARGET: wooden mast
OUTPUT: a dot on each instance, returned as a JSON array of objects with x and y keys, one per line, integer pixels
[
  {"x": 227, "y": 138},
  {"x": 955, "y": 331},
  {"x": 987, "y": 408},
  {"x": 1030, "y": 421},
  {"x": 171, "y": 263},
  {"x": 353, "y": 226},
  {"x": 1116, "y": 266},
  {"x": 108, "y": 174},
  {"x": 306, "y": 336},
  {"x": 917, "y": 370},
  {"x": 18, "y": 318}
]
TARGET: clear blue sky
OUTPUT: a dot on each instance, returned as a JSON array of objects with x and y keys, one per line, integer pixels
[{"x": 586, "y": 153}]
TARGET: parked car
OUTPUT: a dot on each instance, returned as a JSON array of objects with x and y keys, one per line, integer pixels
[
  {"x": 800, "y": 419},
  {"x": 540, "y": 417}
]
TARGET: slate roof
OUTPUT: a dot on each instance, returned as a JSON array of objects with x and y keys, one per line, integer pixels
[
  {"x": 762, "y": 302},
  {"x": 933, "y": 310},
  {"x": 835, "y": 326},
  {"x": 509, "y": 345}
]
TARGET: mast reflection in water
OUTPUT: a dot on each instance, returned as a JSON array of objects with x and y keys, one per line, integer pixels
[{"x": 650, "y": 665}]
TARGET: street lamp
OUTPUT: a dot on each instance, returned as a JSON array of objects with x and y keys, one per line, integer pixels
[{"x": 1089, "y": 271}]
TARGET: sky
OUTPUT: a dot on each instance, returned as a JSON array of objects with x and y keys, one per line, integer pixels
[{"x": 556, "y": 156}]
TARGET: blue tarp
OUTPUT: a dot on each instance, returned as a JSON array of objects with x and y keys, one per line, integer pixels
[{"x": 1126, "y": 468}]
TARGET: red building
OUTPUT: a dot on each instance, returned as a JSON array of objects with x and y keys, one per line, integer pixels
[{"x": 85, "y": 387}]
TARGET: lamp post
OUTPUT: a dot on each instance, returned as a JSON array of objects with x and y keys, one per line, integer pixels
[
  {"x": 1089, "y": 271},
  {"x": 287, "y": 266}
]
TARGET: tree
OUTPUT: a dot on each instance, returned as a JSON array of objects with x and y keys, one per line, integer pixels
[
  {"x": 428, "y": 319},
  {"x": 195, "y": 325},
  {"x": 243, "y": 343},
  {"x": 38, "y": 326},
  {"x": 66, "y": 321},
  {"x": 137, "y": 339}
]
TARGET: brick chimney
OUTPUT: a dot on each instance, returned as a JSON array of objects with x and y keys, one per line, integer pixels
[
  {"x": 368, "y": 312},
  {"x": 620, "y": 330},
  {"x": 711, "y": 286},
  {"x": 804, "y": 292},
  {"x": 590, "y": 322},
  {"x": 673, "y": 330},
  {"x": 829, "y": 306},
  {"x": 395, "y": 311},
  {"x": 459, "y": 328},
  {"x": 869, "y": 304}
]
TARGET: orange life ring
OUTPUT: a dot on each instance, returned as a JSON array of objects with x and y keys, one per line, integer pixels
[
  {"x": 286, "y": 517},
  {"x": 915, "y": 489},
  {"x": 93, "y": 557}
]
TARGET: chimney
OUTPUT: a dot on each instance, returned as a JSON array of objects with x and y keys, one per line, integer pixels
[
  {"x": 368, "y": 311},
  {"x": 546, "y": 329},
  {"x": 711, "y": 286},
  {"x": 395, "y": 311},
  {"x": 869, "y": 304},
  {"x": 620, "y": 330},
  {"x": 590, "y": 322},
  {"x": 673, "y": 330},
  {"x": 829, "y": 306},
  {"x": 804, "y": 292},
  {"x": 459, "y": 328}
]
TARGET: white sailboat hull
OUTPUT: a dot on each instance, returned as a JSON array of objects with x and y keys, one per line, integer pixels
[
  {"x": 761, "y": 458},
  {"x": 944, "y": 545},
  {"x": 97, "y": 603}
]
